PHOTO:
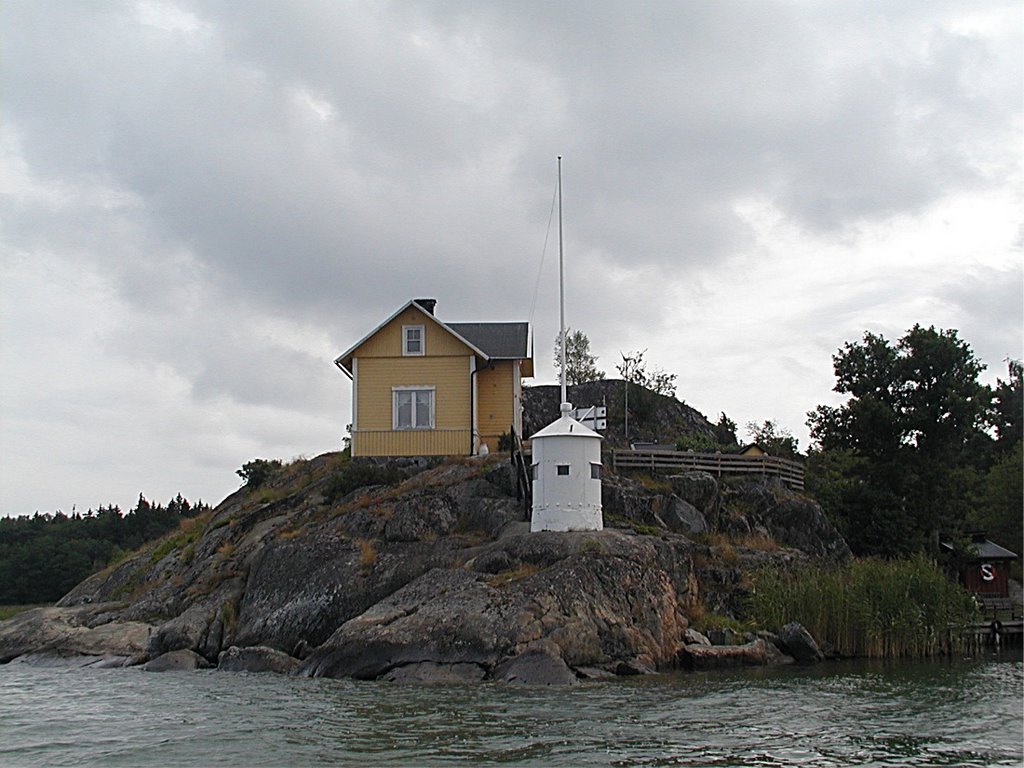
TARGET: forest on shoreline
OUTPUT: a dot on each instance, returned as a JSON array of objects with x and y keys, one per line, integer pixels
[{"x": 43, "y": 556}]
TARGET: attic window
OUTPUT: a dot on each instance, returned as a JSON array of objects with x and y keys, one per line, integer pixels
[
  {"x": 412, "y": 339},
  {"x": 563, "y": 469}
]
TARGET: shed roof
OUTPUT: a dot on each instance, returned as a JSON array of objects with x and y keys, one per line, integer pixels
[
  {"x": 989, "y": 550},
  {"x": 499, "y": 341},
  {"x": 984, "y": 549}
]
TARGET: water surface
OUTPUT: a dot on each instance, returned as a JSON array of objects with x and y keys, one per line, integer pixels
[{"x": 964, "y": 713}]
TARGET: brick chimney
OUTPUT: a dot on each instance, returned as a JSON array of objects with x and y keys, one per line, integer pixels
[{"x": 427, "y": 304}]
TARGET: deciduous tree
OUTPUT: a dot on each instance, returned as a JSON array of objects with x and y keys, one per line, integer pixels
[
  {"x": 580, "y": 364},
  {"x": 910, "y": 429}
]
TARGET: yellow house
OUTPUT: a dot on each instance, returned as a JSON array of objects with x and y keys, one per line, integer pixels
[{"x": 422, "y": 387}]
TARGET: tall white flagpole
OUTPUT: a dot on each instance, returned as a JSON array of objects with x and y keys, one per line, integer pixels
[{"x": 561, "y": 280}]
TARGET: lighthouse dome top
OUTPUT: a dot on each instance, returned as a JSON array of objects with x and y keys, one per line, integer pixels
[{"x": 566, "y": 426}]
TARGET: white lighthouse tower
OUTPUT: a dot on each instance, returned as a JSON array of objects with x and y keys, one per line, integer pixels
[{"x": 566, "y": 454}]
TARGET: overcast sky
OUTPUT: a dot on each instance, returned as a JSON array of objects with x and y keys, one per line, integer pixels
[{"x": 203, "y": 203}]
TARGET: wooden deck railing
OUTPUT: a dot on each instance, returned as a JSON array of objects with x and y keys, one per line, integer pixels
[{"x": 718, "y": 464}]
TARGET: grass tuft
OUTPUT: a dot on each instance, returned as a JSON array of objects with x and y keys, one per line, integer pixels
[
  {"x": 367, "y": 554},
  {"x": 513, "y": 574}
]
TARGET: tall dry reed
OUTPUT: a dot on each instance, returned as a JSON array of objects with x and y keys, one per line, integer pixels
[{"x": 870, "y": 607}]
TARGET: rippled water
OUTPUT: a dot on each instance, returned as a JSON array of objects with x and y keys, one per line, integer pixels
[{"x": 935, "y": 714}]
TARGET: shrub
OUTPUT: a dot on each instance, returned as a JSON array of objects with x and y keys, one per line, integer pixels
[
  {"x": 698, "y": 442},
  {"x": 256, "y": 472},
  {"x": 513, "y": 574},
  {"x": 6, "y": 611},
  {"x": 189, "y": 531},
  {"x": 647, "y": 530},
  {"x": 711, "y": 621},
  {"x": 592, "y": 547},
  {"x": 359, "y": 474},
  {"x": 504, "y": 442},
  {"x": 229, "y": 616},
  {"x": 367, "y": 554},
  {"x": 655, "y": 485}
]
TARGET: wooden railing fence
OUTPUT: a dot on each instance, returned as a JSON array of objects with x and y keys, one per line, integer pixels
[{"x": 718, "y": 464}]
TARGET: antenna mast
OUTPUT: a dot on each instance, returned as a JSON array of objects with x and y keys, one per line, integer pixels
[{"x": 561, "y": 280}]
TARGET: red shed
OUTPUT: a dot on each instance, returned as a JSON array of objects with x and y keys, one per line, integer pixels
[{"x": 987, "y": 573}]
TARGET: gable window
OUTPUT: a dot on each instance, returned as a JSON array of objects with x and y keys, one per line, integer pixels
[
  {"x": 412, "y": 339},
  {"x": 412, "y": 407},
  {"x": 563, "y": 469}
]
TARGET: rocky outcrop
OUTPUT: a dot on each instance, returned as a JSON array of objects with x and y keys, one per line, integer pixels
[
  {"x": 797, "y": 642},
  {"x": 258, "y": 658},
  {"x": 788, "y": 518},
  {"x": 431, "y": 672},
  {"x": 86, "y": 631},
  {"x": 176, "y": 661},
  {"x": 653, "y": 417},
  {"x": 535, "y": 666},
  {"x": 594, "y": 598},
  {"x": 704, "y": 657},
  {"x": 427, "y": 572}
]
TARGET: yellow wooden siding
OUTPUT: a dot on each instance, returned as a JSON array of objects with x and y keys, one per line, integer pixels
[
  {"x": 495, "y": 389},
  {"x": 387, "y": 342},
  {"x": 418, "y": 442},
  {"x": 449, "y": 376}
]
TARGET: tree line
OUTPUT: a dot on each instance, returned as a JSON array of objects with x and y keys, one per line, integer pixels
[
  {"x": 43, "y": 556},
  {"x": 921, "y": 451}
]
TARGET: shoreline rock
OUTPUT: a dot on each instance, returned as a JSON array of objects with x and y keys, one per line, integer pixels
[
  {"x": 176, "y": 661},
  {"x": 436, "y": 579},
  {"x": 255, "y": 659},
  {"x": 797, "y": 642}
]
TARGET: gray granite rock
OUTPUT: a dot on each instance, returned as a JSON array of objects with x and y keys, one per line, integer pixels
[
  {"x": 431, "y": 672},
  {"x": 703, "y": 657},
  {"x": 257, "y": 658},
  {"x": 176, "y": 661},
  {"x": 535, "y": 667},
  {"x": 795, "y": 640}
]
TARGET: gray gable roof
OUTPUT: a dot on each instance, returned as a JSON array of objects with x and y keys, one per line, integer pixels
[
  {"x": 989, "y": 550},
  {"x": 499, "y": 341}
]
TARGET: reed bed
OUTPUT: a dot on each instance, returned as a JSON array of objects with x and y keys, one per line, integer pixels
[{"x": 869, "y": 608}]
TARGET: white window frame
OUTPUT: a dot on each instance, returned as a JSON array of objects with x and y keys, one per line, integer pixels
[
  {"x": 394, "y": 407},
  {"x": 405, "y": 340}
]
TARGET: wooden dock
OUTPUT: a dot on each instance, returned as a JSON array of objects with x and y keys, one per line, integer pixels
[{"x": 994, "y": 634}]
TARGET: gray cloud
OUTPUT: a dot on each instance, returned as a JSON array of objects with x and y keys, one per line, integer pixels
[{"x": 252, "y": 186}]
